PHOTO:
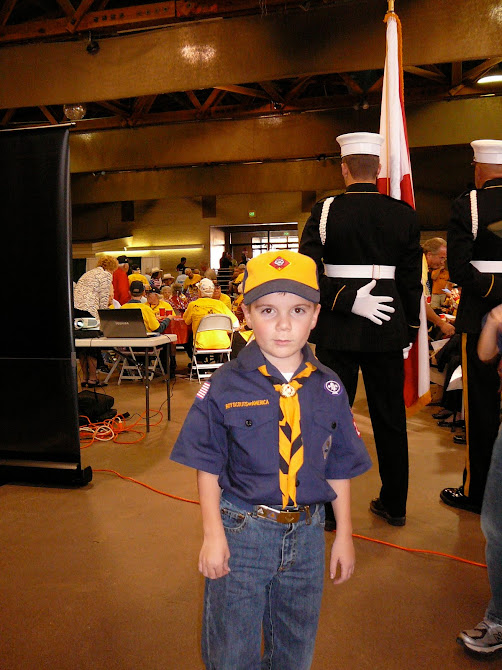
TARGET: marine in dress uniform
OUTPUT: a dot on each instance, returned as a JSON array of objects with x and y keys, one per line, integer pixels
[
  {"x": 475, "y": 263},
  {"x": 367, "y": 249}
]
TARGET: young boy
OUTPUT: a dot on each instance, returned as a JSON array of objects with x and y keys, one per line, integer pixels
[{"x": 272, "y": 438}]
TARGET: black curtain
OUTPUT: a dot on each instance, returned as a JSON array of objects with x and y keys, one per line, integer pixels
[{"x": 38, "y": 406}]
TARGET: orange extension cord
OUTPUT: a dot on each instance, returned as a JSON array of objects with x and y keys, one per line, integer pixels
[{"x": 108, "y": 431}]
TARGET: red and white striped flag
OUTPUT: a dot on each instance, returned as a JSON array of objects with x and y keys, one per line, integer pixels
[{"x": 395, "y": 180}]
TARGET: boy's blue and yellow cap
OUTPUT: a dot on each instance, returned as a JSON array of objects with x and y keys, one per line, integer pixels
[{"x": 281, "y": 271}]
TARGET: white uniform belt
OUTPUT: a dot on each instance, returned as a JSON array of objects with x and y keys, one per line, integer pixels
[
  {"x": 361, "y": 271},
  {"x": 488, "y": 266}
]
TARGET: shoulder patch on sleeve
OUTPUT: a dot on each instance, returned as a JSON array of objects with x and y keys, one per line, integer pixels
[{"x": 201, "y": 393}]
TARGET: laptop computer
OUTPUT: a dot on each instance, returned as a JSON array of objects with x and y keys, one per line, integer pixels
[{"x": 123, "y": 323}]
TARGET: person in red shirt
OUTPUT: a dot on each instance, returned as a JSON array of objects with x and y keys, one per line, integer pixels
[{"x": 121, "y": 282}]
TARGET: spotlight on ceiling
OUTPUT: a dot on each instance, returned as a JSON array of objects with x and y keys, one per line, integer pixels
[{"x": 92, "y": 47}]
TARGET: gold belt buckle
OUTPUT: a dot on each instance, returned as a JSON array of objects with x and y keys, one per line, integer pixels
[
  {"x": 283, "y": 515},
  {"x": 374, "y": 271}
]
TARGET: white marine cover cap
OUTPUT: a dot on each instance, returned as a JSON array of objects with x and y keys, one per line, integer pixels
[
  {"x": 360, "y": 143},
  {"x": 487, "y": 151}
]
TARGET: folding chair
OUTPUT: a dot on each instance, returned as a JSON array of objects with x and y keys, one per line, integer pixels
[
  {"x": 133, "y": 363},
  {"x": 211, "y": 322}
]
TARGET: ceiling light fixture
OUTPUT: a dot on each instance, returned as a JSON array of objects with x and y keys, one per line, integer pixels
[
  {"x": 491, "y": 79},
  {"x": 75, "y": 111},
  {"x": 165, "y": 247}
]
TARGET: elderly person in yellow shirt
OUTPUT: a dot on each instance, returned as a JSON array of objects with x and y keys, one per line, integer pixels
[
  {"x": 191, "y": 280},
  {"x": 197, "y": 309},
  {"x": 157, "y": 303},
  {"x": 218, "y": 295},
  {"x": 137, "y": 276}
]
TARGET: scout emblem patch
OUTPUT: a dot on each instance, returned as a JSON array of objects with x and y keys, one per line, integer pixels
[
  {"x": 279, "y": 263},
  {"x": 333, "y": 387}
]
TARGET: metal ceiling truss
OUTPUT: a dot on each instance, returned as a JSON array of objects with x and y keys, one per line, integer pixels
[{"x": 289, "y": 96}]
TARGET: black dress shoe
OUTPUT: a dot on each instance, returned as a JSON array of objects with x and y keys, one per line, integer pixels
[
  {"x": 443, "y": 414},
  {"x": 377, "y": 508},
  {"x": 444, "y": 423},
  {"x": 460, "y": 439},
  {"x": 454, "y": 497}
]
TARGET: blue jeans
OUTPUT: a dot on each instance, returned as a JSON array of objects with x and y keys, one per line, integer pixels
[
  {"x": 275, "y": 587},
  {"x": 491, "y": 524}
]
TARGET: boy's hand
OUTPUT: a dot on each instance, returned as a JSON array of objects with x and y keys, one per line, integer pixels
[
  {"x": 342, "y": 556},
  {"x": 213, "y": 558}
]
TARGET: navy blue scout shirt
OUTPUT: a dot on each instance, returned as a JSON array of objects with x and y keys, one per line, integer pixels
[{"x": 232, "y": 430}]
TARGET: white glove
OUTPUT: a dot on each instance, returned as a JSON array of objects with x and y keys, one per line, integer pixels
[
  {"x": 372, "y": 307},
  {"x": 406, "y": 350}
]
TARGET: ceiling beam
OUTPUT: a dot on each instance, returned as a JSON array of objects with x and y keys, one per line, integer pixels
[
  {"x": 7, "y": 116},
  {"x": 48, "y": 115},
  {"x": 426, "y": 74},
  {"x": 193, "y": 99},
  {"x": 351, "y": 84},
  {"x": 67, "y": 7},
  {"x": 471, "y": 76},
  {"x": 6, "y": 11},
  {"x": 114, "y": 108},
  {"x": 203, "y": 55},
  {"x": 297, "y": 89},
  {"x": 270, "y": 88},
  {"x": 456, "y": 73},
  {"x": 243, "y": 90},
  {"x": 213, "y": 100},
  {"x": 78, "y": 15},
  {"x": 218, "y": 180},
  {"x": 270, "y": 138}
]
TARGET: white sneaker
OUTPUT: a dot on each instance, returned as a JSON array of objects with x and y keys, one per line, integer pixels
[{"x": 486, "y": 638}]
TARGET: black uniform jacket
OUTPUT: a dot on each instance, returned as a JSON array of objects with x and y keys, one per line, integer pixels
[
  {"x": 366, "y": 228},
  {"x": 481, "y": 291}
]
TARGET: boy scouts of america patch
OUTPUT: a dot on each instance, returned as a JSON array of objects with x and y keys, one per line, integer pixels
[
  {"x": 333, "y": 387},
  {"x": 201, "y": 394},
  {"x": 279, "y": 263}
]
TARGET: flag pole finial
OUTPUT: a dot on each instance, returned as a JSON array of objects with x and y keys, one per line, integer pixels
[{"x": 390, "y": 5}]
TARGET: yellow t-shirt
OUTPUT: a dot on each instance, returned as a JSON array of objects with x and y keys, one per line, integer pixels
[
  {"x": 211, "y": 339},
  {"x": 136, "y": 276},
  {"x": 191, "y": 281},
  {"x": 151, "y": 321},
  {"x": 225, "y": 299}
]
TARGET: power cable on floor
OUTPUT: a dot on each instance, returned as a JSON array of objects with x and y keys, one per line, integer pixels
[
  {"x": 356, "y": 535},
  {"x": 110, "y": 429}
]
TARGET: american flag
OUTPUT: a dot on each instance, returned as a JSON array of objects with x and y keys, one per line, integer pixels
[{"x": 395, "y": 180}]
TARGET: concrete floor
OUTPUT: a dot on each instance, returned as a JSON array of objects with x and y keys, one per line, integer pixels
[{"x": 105, "y": 577}]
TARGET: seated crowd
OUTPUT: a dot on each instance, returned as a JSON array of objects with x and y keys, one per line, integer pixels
[{"x": 118, "y": 284}]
